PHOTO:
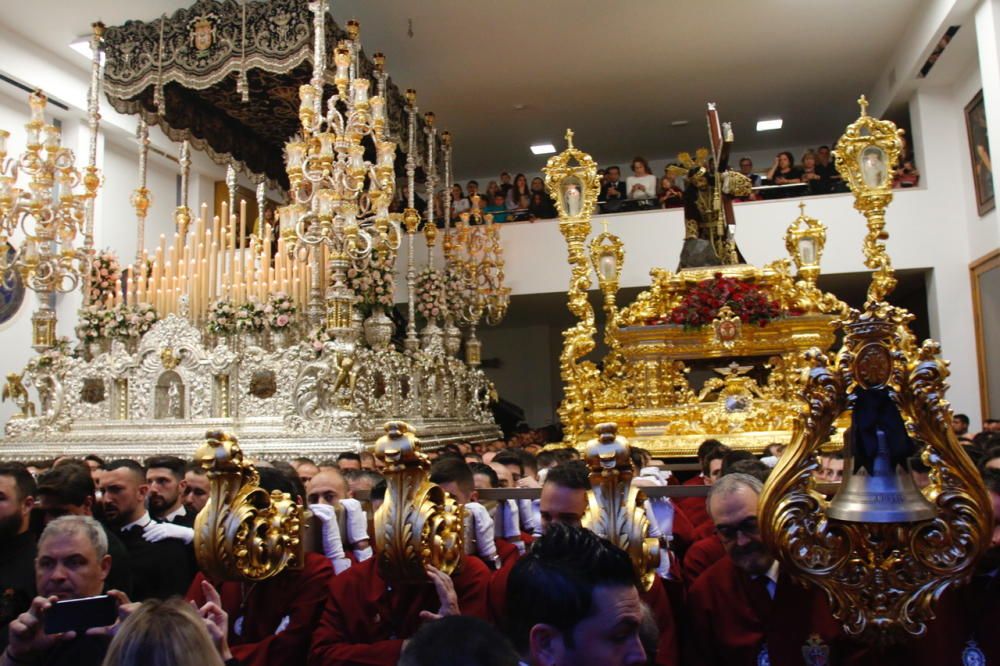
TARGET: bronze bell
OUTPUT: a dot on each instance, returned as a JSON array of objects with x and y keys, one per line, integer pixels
[{"x": 877, "y": 486}]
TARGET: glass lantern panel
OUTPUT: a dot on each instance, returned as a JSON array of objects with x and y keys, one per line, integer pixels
[
  {"x": 874, "y": 166},
  {"x": 572, "y": 196},
  {"x": 807, "y": 251}
]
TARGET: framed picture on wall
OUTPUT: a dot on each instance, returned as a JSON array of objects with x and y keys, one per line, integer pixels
[
  {"x": 985, "y": 275},
  {"x": 979, "y": 150},
  {"x": 11, "y": 288}
]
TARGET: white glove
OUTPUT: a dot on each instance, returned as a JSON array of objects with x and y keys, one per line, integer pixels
[
  {"x": 530, "y": 517},
  {"x": 662, "y": 510},
  {"x": 510, "y": 519},
  {"x": 357, "y": 521},
  {"x": 656, "y": 474},
  {"x": 482, "y": 528},
  {"x": 154, "y": 532},
  {"x": 333, "y": 547},
  {"x": 663, "y": 571}
]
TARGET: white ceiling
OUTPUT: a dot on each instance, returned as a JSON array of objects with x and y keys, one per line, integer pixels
[{"x": 617, "y": 73}]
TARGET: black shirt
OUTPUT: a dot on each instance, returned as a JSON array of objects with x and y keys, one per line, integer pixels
[
  {"x": 160, "y": 569},
  {"x": 17, "y": 580},
  {"x": 828, "y": 177}
]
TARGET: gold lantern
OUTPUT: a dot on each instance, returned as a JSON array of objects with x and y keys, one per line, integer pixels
[{"x": 881, "y": 549}]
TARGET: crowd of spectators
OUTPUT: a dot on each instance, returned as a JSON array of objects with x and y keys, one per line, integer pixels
[
  {"x": 536, "y": 588},
  {"x": 514, "y": 200}
]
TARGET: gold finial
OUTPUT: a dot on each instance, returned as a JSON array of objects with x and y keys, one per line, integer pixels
[
  {"x": 802, "y": 209},
  {"x": 569, "y": 138},
  {"x": 863, "y": 103}
]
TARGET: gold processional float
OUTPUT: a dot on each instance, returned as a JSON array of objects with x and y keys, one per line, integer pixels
[
  {"x": 237, "y": 324},
  {"x": 712, "y": 350}
]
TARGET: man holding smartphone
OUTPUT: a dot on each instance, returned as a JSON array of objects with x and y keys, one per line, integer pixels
[{"x": 72, "y": 563}]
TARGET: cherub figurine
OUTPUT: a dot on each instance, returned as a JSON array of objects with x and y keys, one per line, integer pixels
[{"x": 15, "y": 391}]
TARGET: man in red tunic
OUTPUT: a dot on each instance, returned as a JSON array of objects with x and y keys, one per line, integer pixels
[
  {"x": 564, "y": 501},
  {"x": 374, "y": 607},
  {"x": 710, "y": 455},
  {"x": 367, "y": 620},
  {"x": 272, "y": 621},
  {"x": 966, "y": 628},
  {"x": 744, "y": 610}
]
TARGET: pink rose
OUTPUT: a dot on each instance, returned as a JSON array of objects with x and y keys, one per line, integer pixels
[{"x": 282, "y": 321}]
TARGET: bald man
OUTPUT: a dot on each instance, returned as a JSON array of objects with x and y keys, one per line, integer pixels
[{"x": 327, "y": 487}]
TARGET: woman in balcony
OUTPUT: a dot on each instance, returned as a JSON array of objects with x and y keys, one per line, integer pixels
[
  {"x": 784, "y": 172},
  {"x": 515, "y": 193},
  {"x": 641, "y": 185},
  {"x": 459, "y": 204}
]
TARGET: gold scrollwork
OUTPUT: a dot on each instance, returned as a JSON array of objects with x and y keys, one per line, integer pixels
[
  {"x": 244, "y": 532},
  {"x": 418, "y": 523},
  {"x": 882, "y": 578},
  {"x": 616, "y": 508}
]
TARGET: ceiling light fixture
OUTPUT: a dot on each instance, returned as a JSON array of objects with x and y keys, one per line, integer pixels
[
  {"x": 543, "y": 148},
  {"x": 82, "y": 46},
  {"x": 767, "y": 125},
  {"x": 678, "y": 123}
]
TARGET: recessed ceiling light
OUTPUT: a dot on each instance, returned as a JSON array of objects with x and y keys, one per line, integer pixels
[
  {"x": 678, "y": 123},
  {"x": 519, "y": 107},
  {"x": 82, "y": 46},
  {"x": 543, "y": 148},
  {"x": 767, "y": 125}
]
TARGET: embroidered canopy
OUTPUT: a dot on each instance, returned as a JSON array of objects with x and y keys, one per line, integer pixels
[{"x": 187, "y": 73}]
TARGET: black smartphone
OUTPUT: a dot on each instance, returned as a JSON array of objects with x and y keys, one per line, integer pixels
[{"x": 81, "y": 614}]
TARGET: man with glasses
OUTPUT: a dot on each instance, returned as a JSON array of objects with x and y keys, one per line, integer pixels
[
  {"x": 744, "y": 609},
  {"x": 746, "y": 168}
]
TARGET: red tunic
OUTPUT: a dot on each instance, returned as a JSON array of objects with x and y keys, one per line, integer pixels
[
  {"x": 694, "y": 507},
  {"x": 498, "y": 583},
  {"x": 730, "y": 624},
  {"x": 293, "y": 599},
  {"x": 365, "y": 621},
  {"x": 969, "y": 613},
  {"x": 667, "y": 649},
  {"x": 684, "y": 530},
  {"x": 699, "y": 557}
]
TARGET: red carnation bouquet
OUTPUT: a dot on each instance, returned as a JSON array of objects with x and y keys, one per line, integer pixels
[{"x": 701, "y": 304}]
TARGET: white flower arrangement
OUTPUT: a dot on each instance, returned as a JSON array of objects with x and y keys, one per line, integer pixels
[
  {"x": 222, "y": 317},
  {"x": 457, "y": 294},
  {"x": 131, "y": 321},
  {"x": 430, "y": 293},
  {"x": 105, "y": 273},
  {"x": 279, "y": 311},
  {"x": 93, "y": 323},
  {"x": 374, "y": 285},
  {"x": 250, "y": 317}
]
